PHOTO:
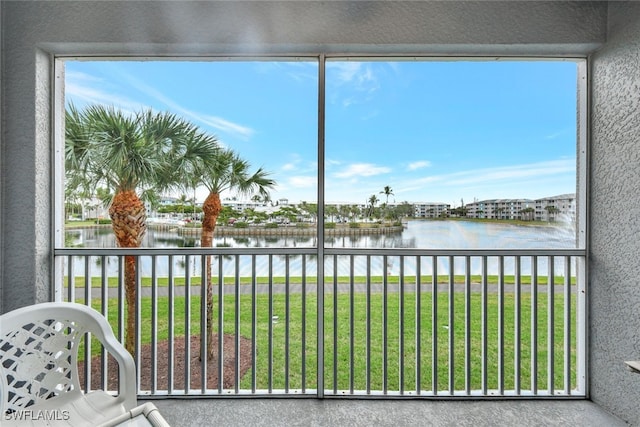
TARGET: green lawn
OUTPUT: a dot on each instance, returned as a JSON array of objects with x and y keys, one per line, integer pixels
[{"x": 394, "y": 359}]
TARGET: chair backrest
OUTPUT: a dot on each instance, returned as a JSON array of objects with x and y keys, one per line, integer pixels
[{"x": 39, "y": 354}]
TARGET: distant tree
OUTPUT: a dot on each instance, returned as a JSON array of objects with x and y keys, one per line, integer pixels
[
  {"x": 527, "y": 213},
  {"x": 289, "y": 212},
  {"x": 387, "y": 191},
  {"x": 552, "y": 211},
  {"x": 331, "y": 211},
  {"x": 354, "y": 211},
  {"x": 372, "y": 204},
  {"x": 405, "y": 209},
  {"x": 311, "y": 209},
  {"x": 181, "y": 201}
]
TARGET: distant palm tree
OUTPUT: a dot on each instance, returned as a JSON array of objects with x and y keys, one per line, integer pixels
[
  {"x": 387, "y": 191},
  {"x": 331, "y": 211},
  {"x": 552, "y": 211},
  {"x": 130, "y": 154},
  {"x": 222, "y": 172},
  {"x": 181, "y": 201},
  {"x": 372, "y": 203},
  {"x": 527, "y": 213}
]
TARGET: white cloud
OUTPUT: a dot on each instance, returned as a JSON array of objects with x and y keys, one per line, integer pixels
[
  {"x": 215, "y": 122},
  {"x": 504, "y": 174},
  {"x": 303, "y": 181},
  {"x": 420, "y": 164},
  {"x": 362, "y": 169},
  {"x": 556, "y": 134},
  {"x": 77, "y": 91},
  {"x": 346, "y": 71},
  {"x": 357, "y": 80},
  {"x": 84, "y": 86}
]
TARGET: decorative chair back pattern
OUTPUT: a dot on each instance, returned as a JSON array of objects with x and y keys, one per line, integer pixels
[
  {"x": 39, "y": 361},
  {"x": 39, "y": 354}
]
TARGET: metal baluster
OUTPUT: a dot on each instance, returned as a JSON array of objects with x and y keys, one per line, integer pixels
[
  {"x": 434, "y": 325},
  {"x": 187, "y": 328},
  {"x": 484, "y": 325},
  {"x": 517, "y": 326},
  {"x": 418, "y": 325},
  {"x": 351, "y": 324},
  {"x": 170, "y": 326},
  {"x": 567, "y": 325},
  {"x": 534, "y": 325},
  {"x": 154, "y": 326},
  {"x": 467, "y": 326},
  {"x": 501, "y": 325},
  {"x": 451, "y": 325},
  {"x": 204, "y": 315},
  {"x": 401, "y": 332},
  {"x": 385, "y": 292},
  {"x": 221, "y": 323},
  {"x": 551, "y": 326}
]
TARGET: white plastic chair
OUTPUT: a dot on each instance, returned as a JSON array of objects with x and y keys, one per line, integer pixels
[{"x": 39, "y": 367}]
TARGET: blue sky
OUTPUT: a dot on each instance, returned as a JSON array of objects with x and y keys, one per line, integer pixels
[{"x": 432, "y": 131}]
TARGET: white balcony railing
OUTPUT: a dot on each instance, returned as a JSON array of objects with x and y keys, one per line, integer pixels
[{"x": 408, "y": 322}]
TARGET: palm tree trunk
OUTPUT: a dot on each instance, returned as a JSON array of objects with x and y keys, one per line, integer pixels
[
  {"x": 211, "y": 210},
  {"x": 128, "y": 219}
]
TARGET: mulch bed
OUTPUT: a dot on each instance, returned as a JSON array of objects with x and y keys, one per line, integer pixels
[{"x": 162, "y": 375}]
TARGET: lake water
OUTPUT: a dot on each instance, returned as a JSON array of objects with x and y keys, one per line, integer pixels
[{"x": 417, "y": 234}]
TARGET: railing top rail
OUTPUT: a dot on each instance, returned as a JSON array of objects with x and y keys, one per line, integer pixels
[{"x": 313, "y": 251}]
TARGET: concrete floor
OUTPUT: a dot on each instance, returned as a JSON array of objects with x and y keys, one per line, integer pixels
[{"x": 397, "y": 413}]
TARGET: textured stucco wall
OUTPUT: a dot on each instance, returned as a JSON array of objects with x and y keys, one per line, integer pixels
[{"x": 615, "y": 215}]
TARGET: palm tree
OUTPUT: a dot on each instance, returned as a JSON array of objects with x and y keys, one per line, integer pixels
[
  {"x": 372, "y": 203},
  {"x": 387, "y": 191},
  {"x": 527, "y": 213},
  {"x": 130, "y": 154},
  {"x": 331, "y": 211},
  {"x": 181, "y": 201},
  {"x": 222, "y": 172},
  {"x": 552, "y": 211}
]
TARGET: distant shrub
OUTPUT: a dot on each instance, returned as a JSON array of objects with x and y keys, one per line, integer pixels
[
  {"x": 240, "y": 224},
  {"x": 104, "y": 221},
  {"x": 301, "y": 225},
  {"x": 354, "y": 225},
  {"x": 271, "y": 225},
  {"x": 330, "y": 225}
]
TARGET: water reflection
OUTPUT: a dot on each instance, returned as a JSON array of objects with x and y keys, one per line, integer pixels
[{"x": 418, "y": 234}]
